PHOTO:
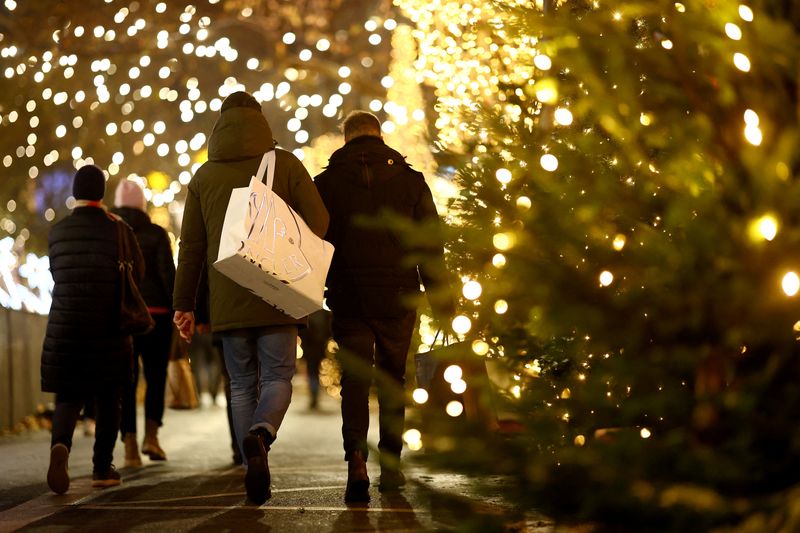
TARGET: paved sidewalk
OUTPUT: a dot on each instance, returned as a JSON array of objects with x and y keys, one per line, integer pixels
[{"x": 199, "y": 489}]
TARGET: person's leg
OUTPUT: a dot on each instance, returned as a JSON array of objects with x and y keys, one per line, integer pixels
[
  {"x": 315, "y": 342},
  {"x": 392, "y": 339},
  {"x": 108, "y": 419},
  {"x": 198, "y": 354},
  {"x": 356, "y": 350},
  {"x": 68, "y": 408},
  {"x": 155, "y": 357},
  {"x": 89, "y": 416},
  {"x": 241, "y": 361},
  {"x": 356, "y": 353},
  {"x": 277, "y": 357},
  {"x": 312, "y": 369},
  {"x": 218, "y": 353},
  {"x": 128, "y": 420},
  {"x": 65, "y": 417},
  {"x": 215, "y": 367}
]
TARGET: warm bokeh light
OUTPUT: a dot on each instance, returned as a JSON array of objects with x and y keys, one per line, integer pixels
[
  {"x": 413, "y": 439},
  {"x": 454, "y": 408},
  {"x": 458, "y": 386},
  {"x": 420, "y": 396},
  {"x": 503, "y": 175},
  {"x": 741, "y": 61},
  {"x": 471, "y": 290},
  {"x": 453, "y": 373},
  {"x": 480, "y": 347},
  {"x": 790, "y": 284},
  {"x": 461, "y": 324},
  {"x": 764, "y": 228}
]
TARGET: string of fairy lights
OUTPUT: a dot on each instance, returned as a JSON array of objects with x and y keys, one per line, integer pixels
[
  {"x": 152, "y": 78},
  {"x": 142, "y": 107}
]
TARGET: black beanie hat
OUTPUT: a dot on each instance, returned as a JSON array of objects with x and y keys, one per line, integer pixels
[
  {"x": 89, "y": 184},
  {"x": 240, "y": 99}
]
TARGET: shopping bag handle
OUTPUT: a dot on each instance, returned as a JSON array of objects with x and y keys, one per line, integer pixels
[
  {"x": 445, "y": 338},
  {"x": 267, "y": 161}
]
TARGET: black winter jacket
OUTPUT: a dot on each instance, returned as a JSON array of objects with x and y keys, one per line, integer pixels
[
  {"x": 159, "y": 273},
  {"x": 373, "y": 274},
  {"x": 83, "y": 348}
]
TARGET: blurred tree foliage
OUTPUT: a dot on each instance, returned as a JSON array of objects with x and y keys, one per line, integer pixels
[{"x": 631, "y": 213}]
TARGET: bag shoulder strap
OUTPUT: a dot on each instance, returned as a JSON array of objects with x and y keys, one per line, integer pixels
[
  {"x": 124, "y": 245},
  {"x": 268, "y": 164}
]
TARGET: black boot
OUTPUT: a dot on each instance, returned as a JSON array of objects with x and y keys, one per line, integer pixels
[
  {"x": 257, "y": 479},
  {"x": 357, "y": 480}
]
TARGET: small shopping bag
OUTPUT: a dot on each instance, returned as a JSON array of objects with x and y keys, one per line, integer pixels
[
  {"x": 266, "y": 247},
  {"x": 181, "y": 390}
]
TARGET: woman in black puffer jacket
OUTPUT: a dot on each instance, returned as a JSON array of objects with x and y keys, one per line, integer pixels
[
  {"x": 152, "y": 347},
  {"x": 84, "y": 353}
]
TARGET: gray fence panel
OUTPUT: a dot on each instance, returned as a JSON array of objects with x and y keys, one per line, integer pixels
[{"x": 21, "y": 336}]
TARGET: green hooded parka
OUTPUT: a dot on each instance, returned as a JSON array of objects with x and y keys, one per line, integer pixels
[{"x": 239, "y": 139}]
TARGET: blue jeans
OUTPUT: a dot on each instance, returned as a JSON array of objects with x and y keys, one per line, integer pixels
[{"x": 261, "y": 363}]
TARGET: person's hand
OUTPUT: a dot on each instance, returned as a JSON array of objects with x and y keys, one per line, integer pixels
[{"x": 184, "y": 320}]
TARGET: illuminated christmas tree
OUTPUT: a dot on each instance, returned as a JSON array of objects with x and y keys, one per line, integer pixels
[{"x": 628, "y": 248}]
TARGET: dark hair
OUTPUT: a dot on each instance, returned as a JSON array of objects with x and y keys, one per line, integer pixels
[{"x": 359, "y": 123}]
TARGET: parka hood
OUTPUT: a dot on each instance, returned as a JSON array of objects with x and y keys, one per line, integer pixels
[{"x": 240, "y": 133}]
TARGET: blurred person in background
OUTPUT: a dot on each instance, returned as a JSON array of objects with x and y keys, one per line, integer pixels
[
  {"x": 314, "y": 342},
  {"x": 153, "y": 347}
]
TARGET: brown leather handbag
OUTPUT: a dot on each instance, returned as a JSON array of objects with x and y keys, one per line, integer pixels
[{"x": 134, "y": 318}]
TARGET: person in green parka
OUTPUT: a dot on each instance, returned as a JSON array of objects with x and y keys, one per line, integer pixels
[{"x": 259, "y": 342}]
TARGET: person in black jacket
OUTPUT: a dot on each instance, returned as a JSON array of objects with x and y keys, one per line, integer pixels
[
  {"x": 371, "y": 279},
  {"x": 84, "y": 351},
  {"x": 153, "y": 347}
]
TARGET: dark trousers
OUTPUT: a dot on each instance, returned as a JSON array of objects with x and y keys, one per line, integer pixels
[
  {"x": 373, "y": 348},
  {"x": 207, "y": 364},
  {"x": 314, "y": 340},
  {"x": 154, "y": 350},
  {"x": 68, "y": 409}
]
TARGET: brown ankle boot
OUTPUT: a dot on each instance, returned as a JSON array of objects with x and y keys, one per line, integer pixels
[
  {"x": 357, "y": 489},
  {"x": 150, "y": 445},
  {"x": 132, "y": 457}
]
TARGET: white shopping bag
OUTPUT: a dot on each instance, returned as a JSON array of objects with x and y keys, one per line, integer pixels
[{"x": 267, "y": 247}]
